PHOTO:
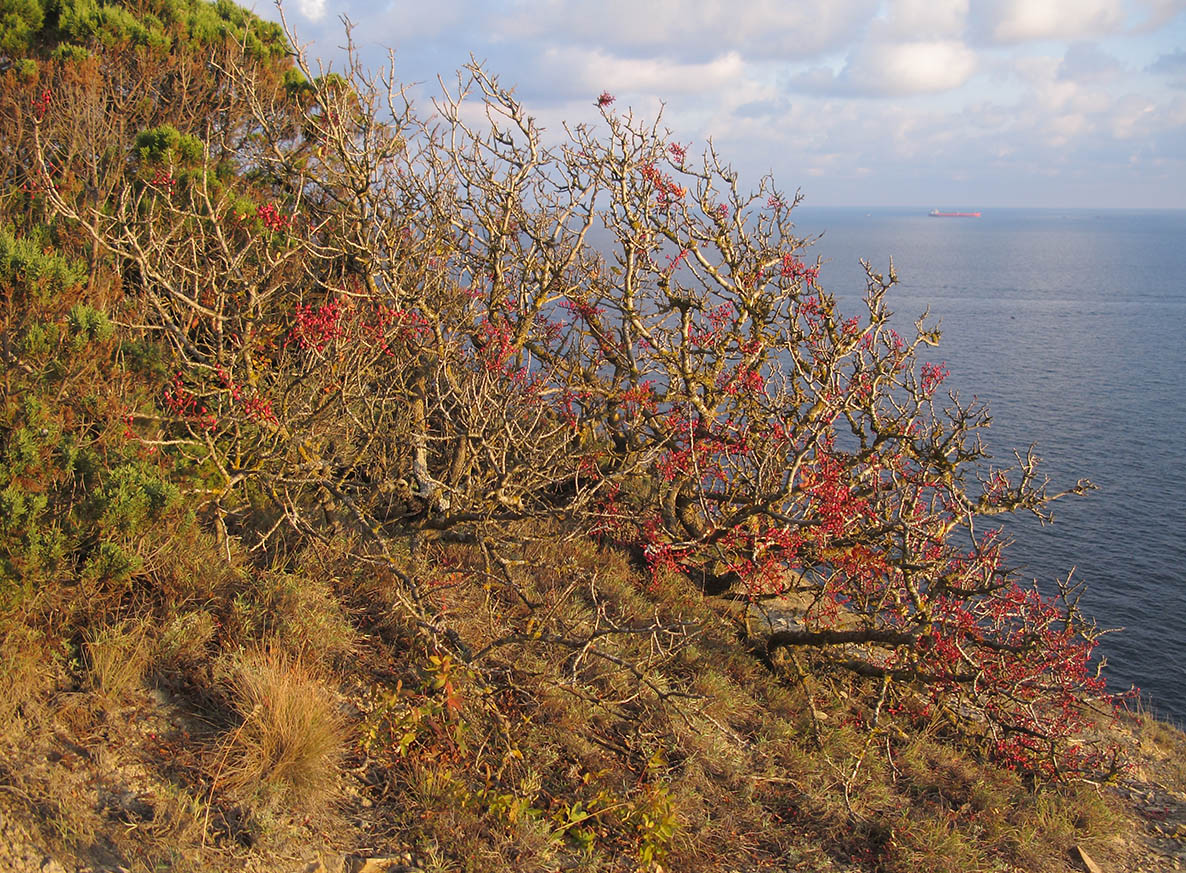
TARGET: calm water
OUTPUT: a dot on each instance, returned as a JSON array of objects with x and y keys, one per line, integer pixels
[{"x": 1071, "y": 325}]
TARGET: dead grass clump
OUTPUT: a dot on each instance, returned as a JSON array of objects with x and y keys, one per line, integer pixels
[
  {"x": 117, "y": 658},
  {"x": 291, "y": 737},
  {"x": 26, "y": 670}
]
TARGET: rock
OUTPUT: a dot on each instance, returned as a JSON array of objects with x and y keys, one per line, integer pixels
[
  {"x": 381, "y": 864},
  {"x": 338, "y": 865},
  {"x": 1080, "y": 855},
  {"x": 766, "y": 617}
]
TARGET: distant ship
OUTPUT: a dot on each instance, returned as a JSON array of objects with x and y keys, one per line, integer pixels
[{"x": 935, "y": 213}]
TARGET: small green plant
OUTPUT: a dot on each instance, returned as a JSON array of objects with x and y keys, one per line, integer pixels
[
  {"x": 186, "y": 638},
  {"x": 654, "y": 819},
  {"x": 165, "y": 145},
  {"x": 88, "y": 324},
  {"x": 25, "y": 263}
]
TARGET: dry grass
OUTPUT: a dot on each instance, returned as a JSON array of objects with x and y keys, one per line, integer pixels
[
  {"x": 299, "y": 613},
  {"x": 641, "y": 749},
  {"x": 291, "y": 738},
  {"x": 26, "y": 670},
  {"x": 1163, "y": 744},
  {"x": 117, "y": 658}
]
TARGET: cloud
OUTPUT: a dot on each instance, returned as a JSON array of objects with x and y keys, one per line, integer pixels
[
  {"x": 1001, "y": 92},
  {"x": 311, "y": 10},
  {"x": 1173, "y": 64},
  {"x": 1086, "y": 61},
  {"x": 928, "y": 19},
  {"x": 402, "y": 22},
  {"x": 591, "y": 71},
  {"x": 1152, "y": 14},
  {"x": 1133, "y": 117},
  {"x": 1012, "y": 21},
  {"x": 1018, "y": 21},
  {"x": 895, "y": 69},
  {"x": 767, "y": 108},
  {"x": 689, "y": 30},
  {"x": 913, "y": 67}
]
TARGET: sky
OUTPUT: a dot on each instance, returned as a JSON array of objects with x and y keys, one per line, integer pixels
[{"x": 954, "y": 104}]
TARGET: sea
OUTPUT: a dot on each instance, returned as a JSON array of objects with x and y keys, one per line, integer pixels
[{"x": 1071, "y": 325}]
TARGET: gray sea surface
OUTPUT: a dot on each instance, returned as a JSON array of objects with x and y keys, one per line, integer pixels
[{"x": 1070, "y": 324}]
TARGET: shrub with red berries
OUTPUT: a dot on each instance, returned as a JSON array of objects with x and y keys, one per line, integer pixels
[{"x": 437, "y": 350}]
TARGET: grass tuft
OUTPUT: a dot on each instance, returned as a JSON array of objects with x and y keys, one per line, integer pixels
[
  {"x": 291, "y": 738},
  {"x": 117, "y": 658}
]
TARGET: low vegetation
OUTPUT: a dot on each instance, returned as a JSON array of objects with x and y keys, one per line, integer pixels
[{"x": 352, "y": 499}]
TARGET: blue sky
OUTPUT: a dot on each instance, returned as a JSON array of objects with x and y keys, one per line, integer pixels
[{"x": 950, "y": 103}]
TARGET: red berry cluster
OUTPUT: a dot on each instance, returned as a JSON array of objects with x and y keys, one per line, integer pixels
[
  {"x": 272, "y": 218},
  {"x": 793, "y": 268},
  {"x": 667, "y": 192},
  {"x": 165, "y": 181},
  {"x": 317, "y": 326},
  {"x": 180, "y": 401},
  {"x": 40, "y": 104}
]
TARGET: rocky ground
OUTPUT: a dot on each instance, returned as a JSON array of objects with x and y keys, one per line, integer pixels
[{"x": 1153, "y": 796}]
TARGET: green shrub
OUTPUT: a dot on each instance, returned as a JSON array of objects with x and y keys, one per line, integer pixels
[
  {"x": 132, "y": 495},
  {"x": 19, "y": 20},
  {"x": 88, "y": 324},
  {"x": 168, "y": 146},
  {"x": 25, "y": 265}
]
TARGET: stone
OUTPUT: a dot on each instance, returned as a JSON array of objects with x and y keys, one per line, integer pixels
[
  {"x": 381, "y": 864},
  {"x": 1080, "y": 854},
  {"x": 332, "y": 864}
]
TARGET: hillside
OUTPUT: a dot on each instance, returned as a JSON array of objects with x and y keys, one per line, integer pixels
[{"x": 353, "y": 505}]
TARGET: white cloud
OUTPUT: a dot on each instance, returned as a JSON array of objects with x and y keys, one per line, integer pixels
[
  {"x": 1061, "y": 129},
  {"x": 593, "y": 71},
  {"x": 1086, "y": 61},
  {"x": 1134, "y": 117},
  {"x": 1018, "y": 21},
  {"x": 928, "y": 19},
  {"x": 894, "y": 68},
  {"x": 399, "y": 22},
  {"x": 691, "y": 29},
  {"x": 913, "y": 67},
  {"x": 1152, "y": 14},
  {"x": 312, "y": 10}
]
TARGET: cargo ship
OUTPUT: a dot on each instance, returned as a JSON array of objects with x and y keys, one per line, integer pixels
[{"x": 935, "y": 213}]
